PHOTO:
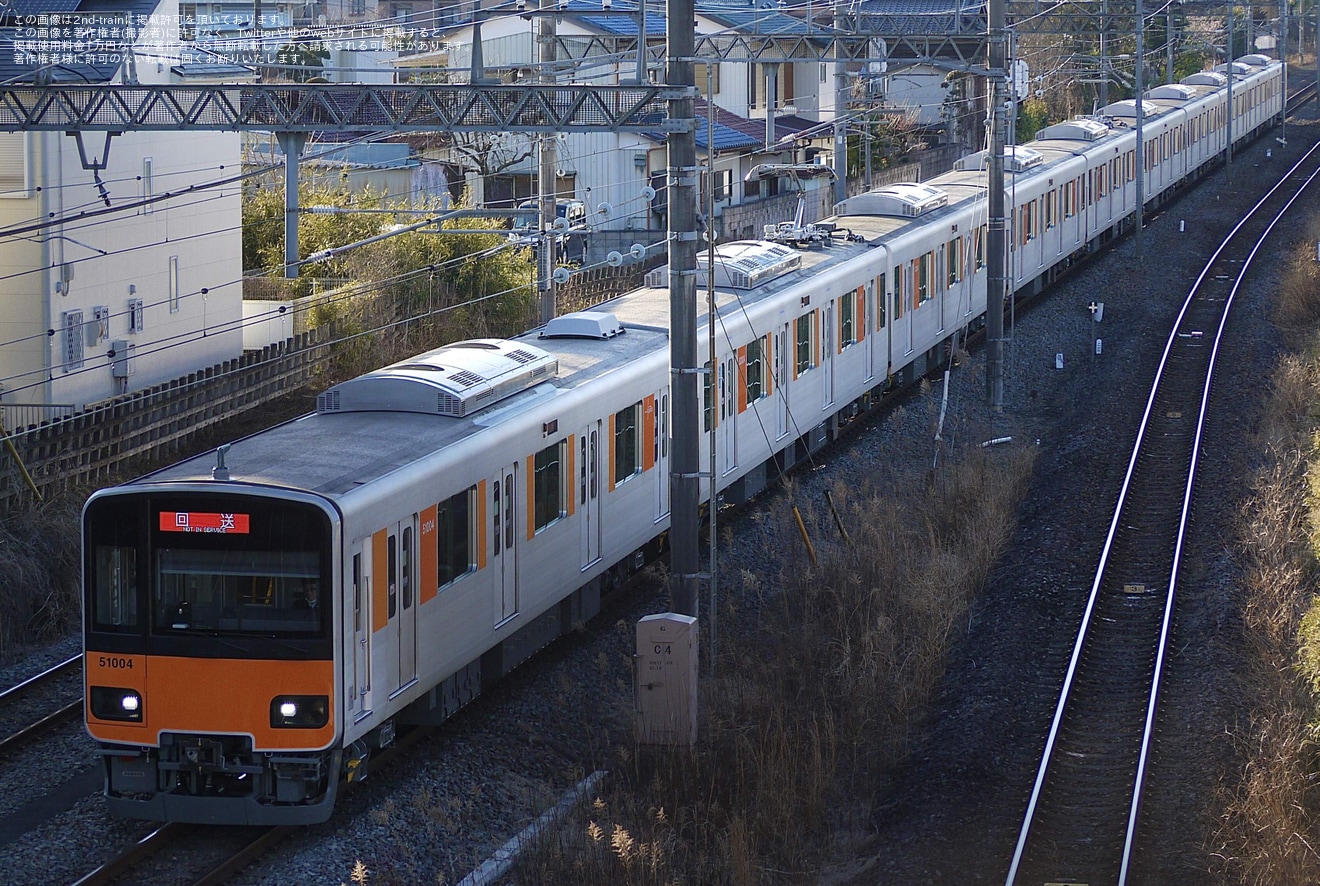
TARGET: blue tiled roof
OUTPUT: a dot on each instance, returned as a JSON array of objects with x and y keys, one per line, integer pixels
[
  {"x": 589, "y": 13},
  {"x": 749, "y": 20},
  {"x": 734, "y": 133},
  {"x": 903, "y": 17}
]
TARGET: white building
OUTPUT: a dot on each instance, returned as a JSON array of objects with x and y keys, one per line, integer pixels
[{"x": 103, "y": 292}]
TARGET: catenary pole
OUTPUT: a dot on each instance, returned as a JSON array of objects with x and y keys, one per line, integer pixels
[
  {"x": 994, "y": 322},
  {"x": 1141, "y": 119},
  {"x": 546, "y": 37},
  {"x": 685, "y": 466}
]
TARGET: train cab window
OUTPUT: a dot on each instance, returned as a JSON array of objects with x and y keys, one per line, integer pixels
[
  {"x": 627, "y": 451},
  {"x": 548, "y": 486},
  {"x": 804, "y": 350},
  {"x": 237, "y": 591},
  {"x": 454, "y": 532},
  {"x": 115, "y": 587}
]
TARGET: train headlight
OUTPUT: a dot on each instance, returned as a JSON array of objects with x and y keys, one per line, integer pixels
[
  {"x": 299, "y": 711},
  {"x": 112, "y": 703}
]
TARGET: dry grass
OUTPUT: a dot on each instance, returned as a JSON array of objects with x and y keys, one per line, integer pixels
[
  {"x": 817, "y": 700},
  {"x": 39, "y": 572},
  {"x": 1269, "y": 831}
]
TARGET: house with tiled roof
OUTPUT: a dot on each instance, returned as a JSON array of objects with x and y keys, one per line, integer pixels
[
  {"x": 109, "y": 283},
  {"x": 615, "y": 174}
]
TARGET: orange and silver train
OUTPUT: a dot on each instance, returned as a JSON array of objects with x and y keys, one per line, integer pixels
[{"x": 261, "y": 618}]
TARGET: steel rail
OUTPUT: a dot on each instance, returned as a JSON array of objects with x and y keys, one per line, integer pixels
[
  {"x": 48, "y": 674},
  {"x": 1084, "y": 630}
]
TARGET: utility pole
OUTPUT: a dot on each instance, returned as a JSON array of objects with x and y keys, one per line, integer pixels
[
  {"x": 994, "y": 333},
  {"x": 292, "y": 144},
  {"x": 840, "y": 107},
  {"x": 1141, "y": 116},
  {"x": 1228, "y": 68},
  {"x": 547, "y": 35},
  {"x": 685, "y": 465},
  {"x": 1104, "y": 53},
  {"x": 1168, "y": 45}
]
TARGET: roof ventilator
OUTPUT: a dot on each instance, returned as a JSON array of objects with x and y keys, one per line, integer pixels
[
  {"x": 907, "y": 200},
  {"x": 746, "y": 264},
  {"x": 456, "y": 380},
  {"x": 584, "y": 324}
]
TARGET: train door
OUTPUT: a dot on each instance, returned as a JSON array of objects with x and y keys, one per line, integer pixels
[
  {"x": 589, "y": 492},
  {"x": 504, "y": 502},
  {"x": 781, "y": 381},
  {"x": 727, "y": 428},
  {"x": 406, "y": 582},
  {"x": 827, "y": 337},
  {"x": 868, "y": 340},
  {"x": 902, "y": 298},
  {"x": 360, "y": 600},
  {"x": 661, "y": 444}
]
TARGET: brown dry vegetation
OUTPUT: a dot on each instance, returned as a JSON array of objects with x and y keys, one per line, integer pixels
[
  {"x": 39, "y": 573},
  {"x": 1269, "y": 830},
  {"x": 816, "y": 700}
]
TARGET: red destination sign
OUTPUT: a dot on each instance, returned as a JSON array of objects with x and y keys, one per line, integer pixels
[{"x": 192, "y": 521}]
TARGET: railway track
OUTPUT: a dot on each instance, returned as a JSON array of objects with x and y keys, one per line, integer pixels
[
  {"x": 21, "y": 697},
  {"x": 1081, "y": 822},
  {"x": 236, "y": 848}
]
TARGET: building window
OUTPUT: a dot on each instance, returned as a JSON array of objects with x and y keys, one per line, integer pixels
[
  {"x": 700, "y": 75},
  {"x": 72, "y": 322},
  {"x": 453, "y": 537},
  {"x": 148, "y": 185},
  {"x": 804, "y": 350},
  {"x": 174, "y": 284},
  {"x": 627, "y": 452},
  {"x": 136, "y": 321},
  {"x": 100, "y": 324},
  {"x": 548, "y": 486}
]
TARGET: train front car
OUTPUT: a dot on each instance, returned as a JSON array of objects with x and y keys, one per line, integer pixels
[{"x": 210, "y": 673}]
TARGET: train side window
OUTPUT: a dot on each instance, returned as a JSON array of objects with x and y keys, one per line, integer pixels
[
  {"x": 980, "y": 246},
  {"x": 952, "y": 262},
  {"x": 116, "y": 587},
  {"x": 453, "y": 537},
  {"x": 392, "y": 559},
  {"x": 627, "y": 452},
  {"x": 881, "y": 295},
  {"x": 357, "y": 593},
  {"x": 707, "y": 398},
  {"x": 508, "y": 512},
  {"x": 496, "y": 520},
  {"x": 582, "y": 447},
  {"x": 406, "y": 577},
  {"x": 755, "y": 369},
  {"x": 847, "y": 320},
  {"x": 548, "y": 486},
  {"x": 804, "y": 349}
]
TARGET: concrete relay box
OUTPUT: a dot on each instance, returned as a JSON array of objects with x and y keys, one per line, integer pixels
[{"x": 665, "y": 689}]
